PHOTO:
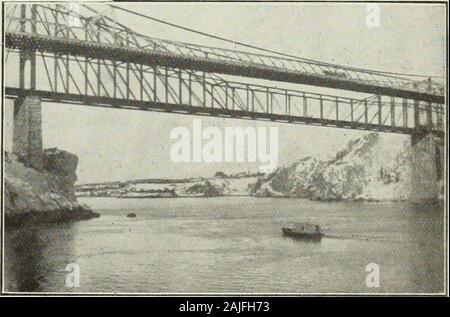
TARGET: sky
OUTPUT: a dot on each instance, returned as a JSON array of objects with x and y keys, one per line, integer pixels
[{"x": 125, "y": 144}]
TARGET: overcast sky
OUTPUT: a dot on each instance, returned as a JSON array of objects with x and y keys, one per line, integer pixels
[{"x": 121, "y": 144}]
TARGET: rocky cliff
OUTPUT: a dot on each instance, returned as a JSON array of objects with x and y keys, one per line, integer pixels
[
  {"x": 45, "y": 195},
  {"x": 357, "y": 172}
]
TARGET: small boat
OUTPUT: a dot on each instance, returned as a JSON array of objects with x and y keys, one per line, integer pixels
[{"x": 307, "y": 231}]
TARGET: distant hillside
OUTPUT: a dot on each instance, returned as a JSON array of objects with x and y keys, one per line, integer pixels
[
  {"x": 343, "y": 177},
  {"x": 359, "y": 171},
  {"x": 220, "y": 185}
]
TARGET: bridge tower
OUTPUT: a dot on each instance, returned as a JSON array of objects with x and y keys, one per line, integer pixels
[
  {"x": 427, "y": 159},
  {"x": 27, "y": 129}
]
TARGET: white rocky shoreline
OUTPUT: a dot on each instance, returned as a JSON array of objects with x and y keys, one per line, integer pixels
[{"x": 355, "y": 173}]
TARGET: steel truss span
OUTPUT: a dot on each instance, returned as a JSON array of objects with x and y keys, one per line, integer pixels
[{"x": 101, "y": 62}]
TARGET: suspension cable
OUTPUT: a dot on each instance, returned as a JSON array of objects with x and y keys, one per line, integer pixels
[{"x": 267, "y": 50}]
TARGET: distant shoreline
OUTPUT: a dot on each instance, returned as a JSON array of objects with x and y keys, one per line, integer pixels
[{"x": 430, "y": 201}]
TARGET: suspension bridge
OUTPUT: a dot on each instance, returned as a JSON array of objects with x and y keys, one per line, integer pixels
[
  {"x": 88, "y": 58},
  {"x": 93, "y": 59}
]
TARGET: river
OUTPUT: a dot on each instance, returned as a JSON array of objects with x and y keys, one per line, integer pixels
[{"x": 229, "y": 245}]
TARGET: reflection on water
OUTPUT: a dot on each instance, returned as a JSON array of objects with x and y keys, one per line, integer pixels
[
  {"x": 36, "y": 256},
  {"x": 231, "y": 245}
]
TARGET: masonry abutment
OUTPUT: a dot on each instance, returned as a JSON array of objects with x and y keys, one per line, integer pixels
[
  {"x": 27, "y": 131},
  {"x": 426, "y": 167}
]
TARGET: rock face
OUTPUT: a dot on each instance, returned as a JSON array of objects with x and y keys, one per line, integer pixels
[
  {"x": 343, "y": 177},
  {"x": 63, "y": 164},
  {"x": 45, "y": 195},
  {"x": 357, "y": 172}
]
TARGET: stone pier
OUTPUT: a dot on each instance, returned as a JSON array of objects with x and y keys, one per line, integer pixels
[
  {"x": 426, "y": 167},
  {"x": 27, "y": 131}
]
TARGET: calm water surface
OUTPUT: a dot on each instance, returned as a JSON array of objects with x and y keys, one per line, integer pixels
[{"x": 222, "y": 245}]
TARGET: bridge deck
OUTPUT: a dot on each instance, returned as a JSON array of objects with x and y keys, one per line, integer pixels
[{"x": 120, "y": 103}]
